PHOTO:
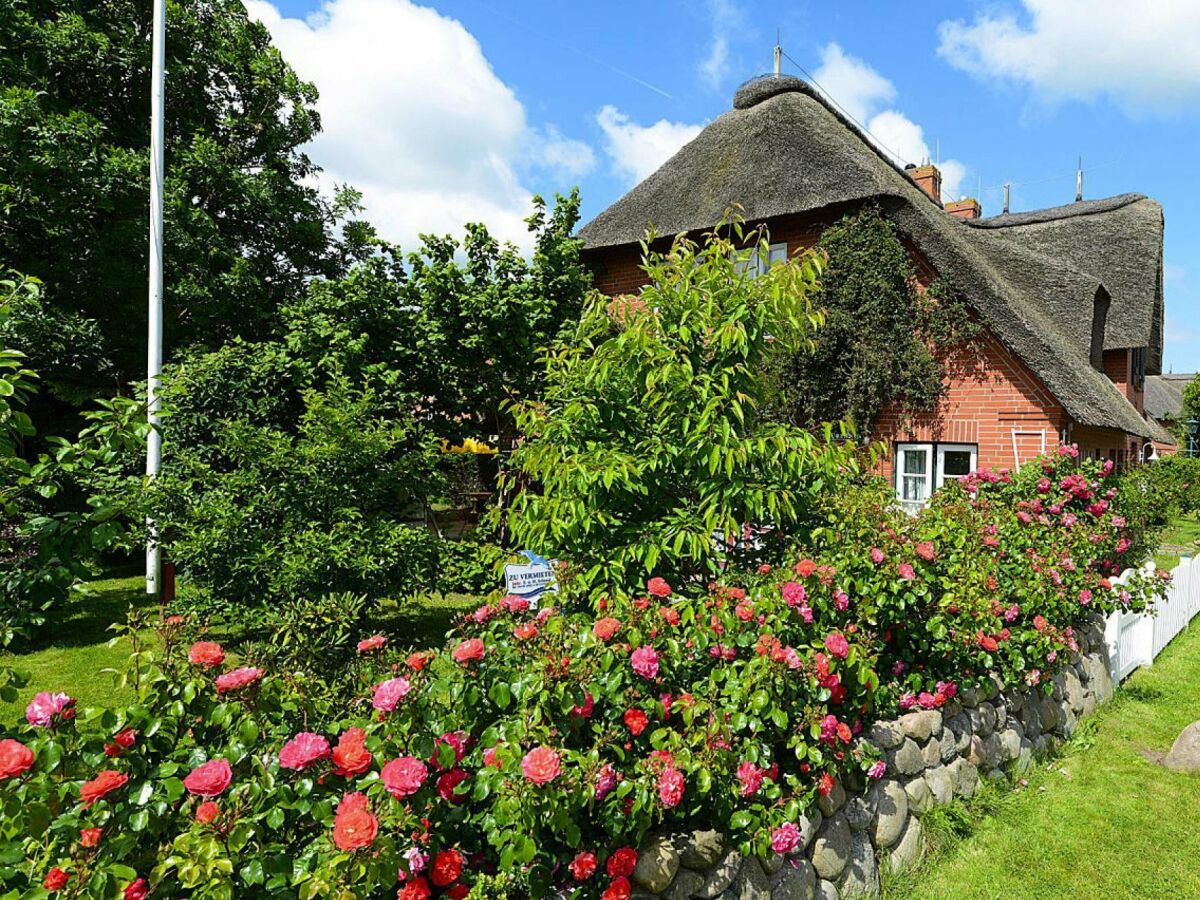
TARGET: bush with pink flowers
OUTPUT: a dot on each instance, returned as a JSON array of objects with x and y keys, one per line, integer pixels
[{"x": 545, "y": 744}]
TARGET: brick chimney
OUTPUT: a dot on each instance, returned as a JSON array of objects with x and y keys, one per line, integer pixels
[
  {"x": 928, "y": 179},
  {"x": 965, "y": 208}
]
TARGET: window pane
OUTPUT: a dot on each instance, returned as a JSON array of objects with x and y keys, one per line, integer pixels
[
  {"x": 956, "y": 463},
  {"x": 915, "y": 462},
  {"x": 912, "y": 487},
  {"x": 778, "y": 253}
]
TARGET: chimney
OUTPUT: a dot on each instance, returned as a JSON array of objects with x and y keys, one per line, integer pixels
[
  {"x": 964, "y": 208},
  {"x": 928, "y": 179}
]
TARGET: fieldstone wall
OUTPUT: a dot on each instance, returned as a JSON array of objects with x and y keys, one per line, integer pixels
[{"x": 932, "y": 757}]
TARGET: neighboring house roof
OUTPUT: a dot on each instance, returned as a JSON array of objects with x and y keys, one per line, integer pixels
[
  {"x": 1164, "y": 395},
  {"x": 784, "y": 149}
]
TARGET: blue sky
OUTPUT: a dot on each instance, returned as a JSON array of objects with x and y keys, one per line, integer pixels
[{"x": 455, "y": 110}]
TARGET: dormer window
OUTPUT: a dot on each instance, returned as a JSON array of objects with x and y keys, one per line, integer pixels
[{"x": 1099, "y": 320}]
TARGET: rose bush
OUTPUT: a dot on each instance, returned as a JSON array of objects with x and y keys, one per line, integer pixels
[{"x": 542, "y": 745}]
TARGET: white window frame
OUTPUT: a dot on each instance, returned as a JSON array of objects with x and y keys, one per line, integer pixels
[
  {"x": 754, "y": 263},
  {"x": 940, "y": 475},
  {"x": 902, "y": 451}
]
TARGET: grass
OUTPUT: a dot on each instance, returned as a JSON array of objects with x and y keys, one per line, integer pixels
[
  {"x": 1182, "y": 536},
  {"x": 1098, "y": 821},
  {"x": 71, "y": 654}
]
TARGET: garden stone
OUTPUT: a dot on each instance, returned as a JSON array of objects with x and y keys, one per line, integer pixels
[
  {"x": 701, "y": 849},
  {"x": 1100, "y": 680},
  {"x": 976, "y": 751},
  {"x": 859, "y": 811},
  {"x": 987, "y": 715},
  {"x": 891, "y": 812},
  {"x": 1056, "y": 690},
  {"x": 979, "y": 725},
  {"x": 941, "y": 785},
  {"x": 826, "y": 890},
  {"x": 906, "y": 759},
  {"x": 773, "y": 863},
  {"x": 795, "y": 881},
  {"x": 908, "y": 850},
  {"x": 994, "y": 685},
  {"x": 996, "y": 774},
  {"x": 1010, "y": 742},
  {"x": 965, "y": 776},
  {"x": 993, "y": 752},
  {"x": 931, "y": 753},
  {"x": 685, "y": 885},
  {"x": 1073, "y": 690},
  {"x": 657, "y": 864},
  {"x": 833, "y": 801},
  {"x": 831, "y": 849},
  {"x": 1069, "y": 722},
  {"x": 808, "y": 823},
  {"x": 1184, "y": 755},
  {"x": 752, "y": 882},
  {"x": 920, "y": 725},
  {"x": 721, "y": 875},
  {"x": 1001, "y": 711},
  {"x": 886, "y": 735},
  {"x": 948, "y": 746},
  {"x": 1029, "y": 716},
  {"x": 951, "y": 709},
  {"x": 861, "y": 878},
  {"x": 969, "y": 697},
  {"x": 1089, "y": 703},
  {"x": 919, "y": 796},
  {"x": 1025, "y": 755},
  {"x": 1015, "y": 701}
]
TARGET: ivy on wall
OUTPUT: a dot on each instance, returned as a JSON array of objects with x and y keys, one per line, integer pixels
[{"x": 885, "y": 340}]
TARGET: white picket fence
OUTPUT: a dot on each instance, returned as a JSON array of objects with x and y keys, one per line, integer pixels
[{"x": 1135, "y": 639}]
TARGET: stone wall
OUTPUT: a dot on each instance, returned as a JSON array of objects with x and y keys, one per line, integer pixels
[{"x": 932, "y": 757}]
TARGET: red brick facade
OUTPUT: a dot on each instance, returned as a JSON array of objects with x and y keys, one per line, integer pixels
[{"x": 992, "y": 399}]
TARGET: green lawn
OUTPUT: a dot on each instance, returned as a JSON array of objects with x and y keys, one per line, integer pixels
[
  {"x": 71, "y": 653},
  {"x": 1182, "y": 536},
  {"x": 1100, "y": 821}
]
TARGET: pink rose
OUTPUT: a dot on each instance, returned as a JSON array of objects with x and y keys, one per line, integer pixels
[
  {"x": 468, "y": 651},
  {"x": 645, "y": 662},
  {"x": 785, "y": 838},
  {"x": 47, "y": 708},
  {"x": 541, "y": 765},
  {"x": 837, "y": 645},
  {"x": 371, "y": 644},
  {"x": 658, "y": 587},
  {"x": 303, "y": 750},
  {"x": 794, "y": 593},
  {"x": 403, "y": 777},
  {"x": 209, "y": 779},
  {"x": 388, "y": 694},
  {"x": 877, "y": 555},
  {"x": 237, "y": 679},
  {"x": 906, "y": 571},
  {"x": 877, "y": 770},
  {"x": 670, "y": 787}
]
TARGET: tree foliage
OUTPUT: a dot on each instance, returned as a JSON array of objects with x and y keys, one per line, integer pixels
[
  {"x": 650, "y": 439},
  {"x": 884, "y": 339},
  {"x": 245, "y": 225}
]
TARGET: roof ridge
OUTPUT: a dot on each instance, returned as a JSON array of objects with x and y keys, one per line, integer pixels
[{"x": 1058, "y": 213}]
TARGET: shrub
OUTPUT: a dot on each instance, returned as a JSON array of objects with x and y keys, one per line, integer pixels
[
  {"x": 541, "y": 744},
  {"x": 650, "y": 439}
]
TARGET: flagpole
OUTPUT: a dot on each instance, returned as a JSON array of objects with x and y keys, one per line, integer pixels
[{"x": 154, "y": 342}]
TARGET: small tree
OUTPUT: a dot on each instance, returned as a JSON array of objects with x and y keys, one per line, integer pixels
[{"x": 650, "y": 444}]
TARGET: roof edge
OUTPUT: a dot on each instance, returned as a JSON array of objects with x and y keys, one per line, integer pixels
[{"x": 1058, "y": 213}]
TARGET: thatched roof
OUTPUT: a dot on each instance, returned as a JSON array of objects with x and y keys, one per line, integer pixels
[
  {"x": 783, "y": 149},
  {"x": 1164, "y": 395}
]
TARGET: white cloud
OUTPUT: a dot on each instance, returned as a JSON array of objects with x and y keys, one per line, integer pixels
[
  {"x": 855, "y": 86},
  {"x": 725, "y": 19},
  {"x": 1143, "y": 55},
  {"x": 415, "y": 117},
  {"x": 866, "y": 95},
  {"x": 637, "y": 150}
]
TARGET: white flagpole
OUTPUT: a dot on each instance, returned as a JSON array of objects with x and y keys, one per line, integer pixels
[{"x": 154, "y": 344}]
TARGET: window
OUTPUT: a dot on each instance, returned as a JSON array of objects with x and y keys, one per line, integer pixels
[
  {"x": 923, "y": 468},
  {"x": 755, "y": 264}
]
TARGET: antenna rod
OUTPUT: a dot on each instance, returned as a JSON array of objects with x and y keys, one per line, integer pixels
[
  {"x": 1079, "y": 181},
  {"x": 1007, "y": 189},
  {"x": 778, "y": 54}
]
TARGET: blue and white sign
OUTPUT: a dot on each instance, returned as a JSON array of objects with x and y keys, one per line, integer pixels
[{"x": 532, "y": 579}]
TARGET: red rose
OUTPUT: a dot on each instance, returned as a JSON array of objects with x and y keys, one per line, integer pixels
[
  {"x": 658, "y": 587},
  {"x": 137, "y": 890},
  {"x": 15, "y": 758},
  {"x": 415, "y": 889},
  {"x": 403, "y": 777},
  {"x": 206, "y": 654},
  {"x": 621, "y": 863},
  {"x": 825, "y": 785},
  {"x": 448, "y": 782},
  {"x": 238, "y": 679},
  {"x": 207, "y": 812},
  {"x": 457, "y": 892},
  {"x": 541, "y": 765},
  {"x": 209, "y": 779},
  {"x": 805, "y": 567},
  {"x": 90, "y": 837},
  {"x": 636, "y": 721},
  {"x": 56, "y": 879},
  {"x": 605, "y": 628},
  {"x": 583, "y": 866},
  {"x": 416, "y": 661},
  {"x": 669, "y": 614},
  {"x": 104, "y": 783},
  {"x": 354, "y": 826},
  {"x": 525, "y": 631},
  {"x": 618, "y": 889},
  {"x": 447, "y": 866},
  {"x": 351, "y": 756},
  {"x": 468, "y": 651}
]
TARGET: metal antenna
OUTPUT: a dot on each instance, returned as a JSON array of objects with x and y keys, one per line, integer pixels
[
  {"x": 778, "y": 54},
  {"x": 1079, "y": 181},
  {"x": 1007, "y": 190}
]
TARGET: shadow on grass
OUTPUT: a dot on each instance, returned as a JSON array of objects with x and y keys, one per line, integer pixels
[{"x": 84, "y": 619}]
